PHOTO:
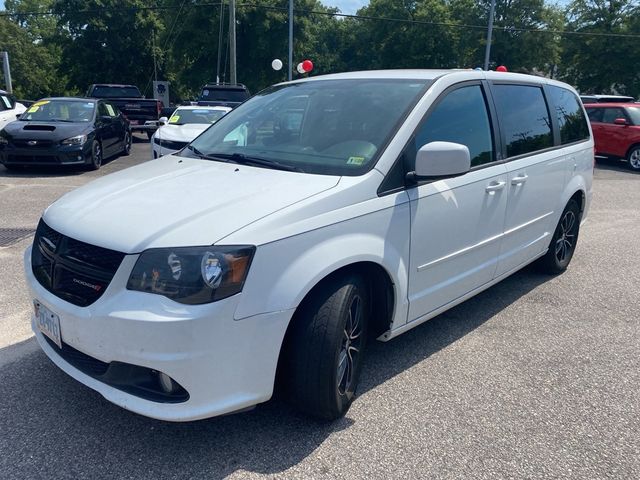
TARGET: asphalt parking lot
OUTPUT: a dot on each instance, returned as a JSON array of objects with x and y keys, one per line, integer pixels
[{"x": 537, "y": 377}]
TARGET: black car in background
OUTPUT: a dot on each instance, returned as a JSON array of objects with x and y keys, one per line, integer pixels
[
  {"x": 65, "y": 131},
  {"x": 223, "y": 95}
]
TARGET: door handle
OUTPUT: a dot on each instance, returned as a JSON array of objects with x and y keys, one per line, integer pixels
[
  {"x": 495, "y": 186},
  {"x": 519, "y": 180}
]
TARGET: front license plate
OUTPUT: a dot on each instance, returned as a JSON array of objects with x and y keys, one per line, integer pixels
[
  {"x": 134, "y": 122},
  {"x": 48, "y": 322}
]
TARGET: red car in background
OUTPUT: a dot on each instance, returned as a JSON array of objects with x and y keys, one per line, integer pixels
[{"x": 616, "y": 130}]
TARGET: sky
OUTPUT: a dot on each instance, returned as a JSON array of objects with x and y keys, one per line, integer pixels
[{"x": 346, "y": 6}]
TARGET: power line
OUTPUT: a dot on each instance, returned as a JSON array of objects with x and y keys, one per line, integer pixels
[{"x": 335, "y": 14}]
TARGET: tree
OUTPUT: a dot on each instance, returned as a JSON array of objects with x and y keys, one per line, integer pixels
[
  {"x": 108, "y": 41},
  {"x": 584, "y": 54}
]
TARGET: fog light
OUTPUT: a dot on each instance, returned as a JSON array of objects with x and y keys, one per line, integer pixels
[
  {"x": 166, "y": 382},
  {"x": 79, "y": 157}
]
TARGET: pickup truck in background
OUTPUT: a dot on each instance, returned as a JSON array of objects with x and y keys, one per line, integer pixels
[
  {"x": 142, "y": 113},
  {"x": 223, "y": 95}
]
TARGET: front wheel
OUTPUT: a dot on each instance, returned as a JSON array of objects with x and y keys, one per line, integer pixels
[
  {"x": 326, "y": 347},
  {"x": 634, "y": 159},
  {"x": 563, "y": 243}
]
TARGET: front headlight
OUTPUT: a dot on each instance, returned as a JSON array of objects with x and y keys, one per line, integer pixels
[
  {"x": 192, "y": 275},
  {"x": 77, "y": 140}
]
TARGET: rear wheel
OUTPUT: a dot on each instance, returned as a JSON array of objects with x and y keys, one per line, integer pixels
[
  {"x": 564, "y": 240},
  {"x": 126, "y": 149},
  {"x": 634, "y": 159},
  {"x": 325, "y": 348},
  {"x": 96, "y": 156}
]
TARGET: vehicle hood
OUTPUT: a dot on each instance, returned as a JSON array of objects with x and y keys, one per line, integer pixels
[
  {"x": 177, "y": 201},
  {"x": 181, "y": 133},
  {"x": 55, "y": 131}
]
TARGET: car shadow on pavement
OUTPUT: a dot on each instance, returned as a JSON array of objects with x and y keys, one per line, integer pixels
[{"x": 53, "y": 427}]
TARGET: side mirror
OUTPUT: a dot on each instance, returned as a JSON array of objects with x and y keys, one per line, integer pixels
[
  {"x": 438, "y": 160},
  {"x": 163, "y": 120},
  {"x": 621, "y": 121}
]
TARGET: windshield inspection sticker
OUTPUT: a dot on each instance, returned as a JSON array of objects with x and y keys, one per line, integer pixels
[
  {"x": 174, "y": 119},
  {"x": 355, "y": 161}
]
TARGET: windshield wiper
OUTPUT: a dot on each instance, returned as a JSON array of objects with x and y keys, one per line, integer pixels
[
  {"x": 61, "y": 120},
  {"x": 242, "y": 159}
]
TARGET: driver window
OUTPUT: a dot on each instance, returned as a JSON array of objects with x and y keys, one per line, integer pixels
[{"x": 461, "y": 117}]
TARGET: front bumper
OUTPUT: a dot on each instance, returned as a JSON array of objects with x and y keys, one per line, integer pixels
[
  {"x": 224, "y": 364},
  {"x": 55, "y": 155}
]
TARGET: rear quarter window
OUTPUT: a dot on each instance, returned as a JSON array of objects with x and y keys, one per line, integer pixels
[
  {"x": 571, "y": 118},
  {"x": 524, "y": 118}
]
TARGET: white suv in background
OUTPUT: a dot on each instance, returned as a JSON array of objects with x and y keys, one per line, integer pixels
[
  {"x": 10, "y": 110},
  {"x": 317, "y": 215}
]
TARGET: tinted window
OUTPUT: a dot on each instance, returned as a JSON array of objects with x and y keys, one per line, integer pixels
[
  {"x": 461, "y": 117},
  {"x": 595, "y": 114},
  {"x": 610, "y": 114},
  {"x": 115, "y": 92},
  {"x": 524, "y": 118},
  {"x": 573, "y": 124}
]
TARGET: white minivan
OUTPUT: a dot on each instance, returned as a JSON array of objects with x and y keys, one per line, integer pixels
[{"x": 317, "y": 215}]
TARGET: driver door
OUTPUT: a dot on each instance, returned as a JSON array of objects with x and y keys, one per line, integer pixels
[{"x": 457, "y": 223}]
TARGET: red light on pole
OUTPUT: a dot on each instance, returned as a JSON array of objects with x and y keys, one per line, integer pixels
[{"x": 501, "y": 68}]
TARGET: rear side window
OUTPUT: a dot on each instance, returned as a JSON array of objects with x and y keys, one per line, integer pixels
[
  {"x": 610, "y": 114},
  {"x": 573, "y": 124},
  {"x": 461, "y": 117},
  {"x": 595, "y": 114},
  {"x": 524, "y": 118}
]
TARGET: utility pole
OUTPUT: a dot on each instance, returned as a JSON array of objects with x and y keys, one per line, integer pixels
[
  {"x": 290, "y": 40},
  {"x": 220, "y": 32},
  {"x": 6, "y": 70},
  {"x": 487, "y": 52},
  {"x": 232, "y": 40}
]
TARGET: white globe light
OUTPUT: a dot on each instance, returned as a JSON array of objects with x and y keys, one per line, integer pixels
[
  {"x": 299, "y": 68},
  {"x": 276, "y": 64}
]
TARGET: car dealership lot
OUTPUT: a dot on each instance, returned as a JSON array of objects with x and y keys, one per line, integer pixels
[{"x": 536, "y": 377}]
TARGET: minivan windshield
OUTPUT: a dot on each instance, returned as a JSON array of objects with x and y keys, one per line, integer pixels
[
  {"x": 60, "y": 111},
  {"x": 332, "y": 127}
]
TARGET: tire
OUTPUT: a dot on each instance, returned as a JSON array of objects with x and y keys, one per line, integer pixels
[
  {"x": 126, "y": 149},
  {"x": 96, "y": 156},
  {"x": 563, "y": 242},
  {"x": 634, "y": 159},
  {"x": 325, "y": 349}
]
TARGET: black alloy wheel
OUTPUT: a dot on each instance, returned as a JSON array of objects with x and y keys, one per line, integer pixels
[
  {"x": 96, "y": 156},
  {"x": 563, "y": 243},
  {"x": 126, "y": 149},
  {"x": 324, "y": 351}
]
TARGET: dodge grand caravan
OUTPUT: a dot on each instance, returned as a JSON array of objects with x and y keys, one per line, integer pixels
[{"x": 317, "y": 215}]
